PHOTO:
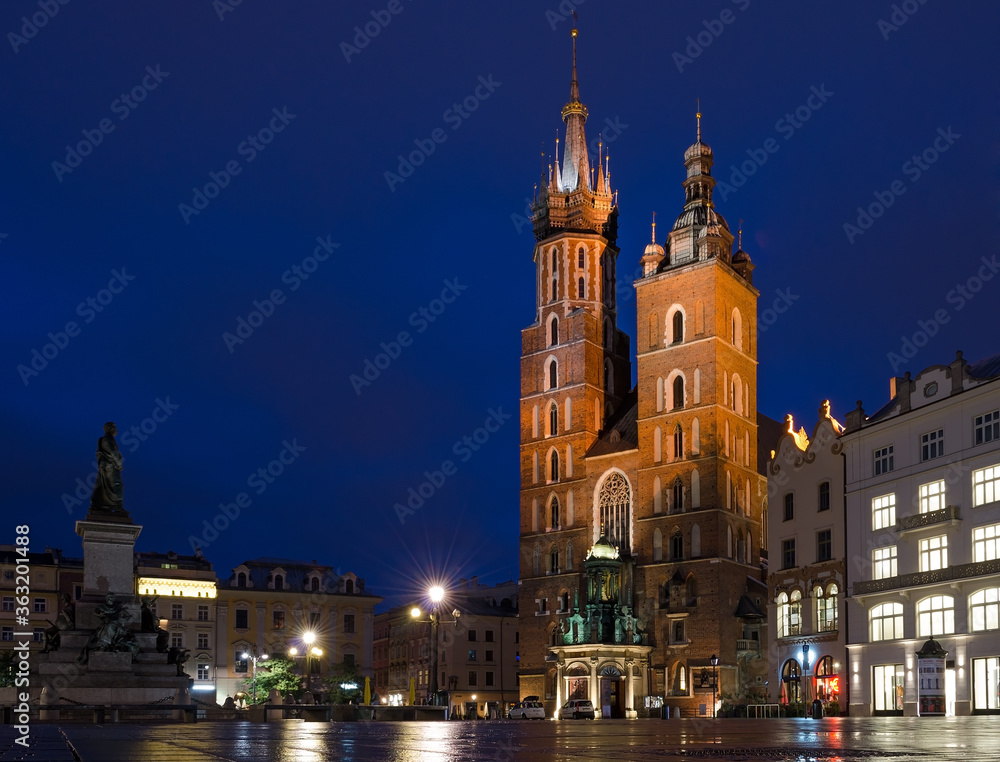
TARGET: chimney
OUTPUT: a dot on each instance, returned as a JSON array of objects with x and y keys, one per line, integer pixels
[
  {"x": 895, "y": 384},
  {"x": 856, "y": 418},
  {"x": 958, "y": 373},
  {"x": 903, "y": 390}
]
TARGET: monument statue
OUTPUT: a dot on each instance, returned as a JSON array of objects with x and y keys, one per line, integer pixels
[
  {"x": 108, "y": 496},
  {"x": 114, "y": 633},
  {"x": 65, "y": 621},
  {"x": 178, "y": 656}
]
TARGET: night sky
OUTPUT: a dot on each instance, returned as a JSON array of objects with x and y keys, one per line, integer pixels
[{"x": 121, "y": 120}]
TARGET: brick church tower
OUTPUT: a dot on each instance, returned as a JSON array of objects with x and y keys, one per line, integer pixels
[{"x": 641, "y": 509}]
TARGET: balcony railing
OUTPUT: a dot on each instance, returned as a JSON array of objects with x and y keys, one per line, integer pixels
[
  {"x": 748, "y": 645},
  {"x": 963, "y": 571},
  {"x": 920, "y": 520}
]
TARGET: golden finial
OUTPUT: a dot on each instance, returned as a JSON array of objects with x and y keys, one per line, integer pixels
[
  {"x": 654, "y": 227},
  {"x": 698, "y": 117},
  {"x": 741, "y": 234}
]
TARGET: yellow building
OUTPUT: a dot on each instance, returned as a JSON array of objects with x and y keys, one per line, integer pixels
[
  {"x": 48, "y": 574},
  {"x": 306, "y": 612},
  {"x": 184, "y": 589}
]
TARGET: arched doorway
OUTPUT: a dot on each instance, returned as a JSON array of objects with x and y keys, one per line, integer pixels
[
  {"x": 791, "y": 683},
  {"x": 827, "y": 680},
  {"x": 578, "y": 682},
  {"x": 612, "y": 692}
]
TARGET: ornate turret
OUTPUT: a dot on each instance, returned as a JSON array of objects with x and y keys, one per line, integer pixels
[
  {"x": 575, "y": 199},
  {"x": 653, "y": 255}
]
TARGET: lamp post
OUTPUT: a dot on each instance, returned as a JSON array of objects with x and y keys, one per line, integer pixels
[
  {"x": 805, "y": 672},
  {"x": 714, "y": 661},
  {"x": 309, "y": 653},
  {"x": 436, "y": 595},
  {"x": 253, "y": 655}
]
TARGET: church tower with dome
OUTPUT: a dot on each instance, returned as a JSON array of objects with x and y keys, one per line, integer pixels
[{"x": 642, "y": 509}]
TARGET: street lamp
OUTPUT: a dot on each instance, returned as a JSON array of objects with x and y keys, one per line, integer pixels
[
  {"x": 805, "y": 672},
  {"x": 436, "y": 595},
  {"x": 309, "y": 653},
  {"x": 714, "y": 661},
  {"x": 253, "y": 655}
]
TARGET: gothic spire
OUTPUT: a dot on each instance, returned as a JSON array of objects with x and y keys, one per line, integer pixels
[{"x": 574, "y": 114}]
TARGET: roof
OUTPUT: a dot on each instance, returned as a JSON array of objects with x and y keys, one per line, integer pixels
[
  {"x": 747, "y": 609},
  {"x": 769, "y": 431},
  {"x": 984, "y": 369},
  {"x": 621, "y": 432}
]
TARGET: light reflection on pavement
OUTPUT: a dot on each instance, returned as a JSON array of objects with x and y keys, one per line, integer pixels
[{"x": 840, "y": 739}]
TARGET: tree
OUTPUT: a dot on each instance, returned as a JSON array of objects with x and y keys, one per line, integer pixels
[
  {"x": 7, "y": 662},
  {"x": 345, "y": 673},
  {"x": 271, "y": 674}
]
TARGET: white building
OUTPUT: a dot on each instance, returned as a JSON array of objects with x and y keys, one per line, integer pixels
[
  {"x": 923, "y": 539},
  {"x": 805, "y": 484}
]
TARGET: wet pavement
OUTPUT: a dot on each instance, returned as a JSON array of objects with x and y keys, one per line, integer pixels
[{"x": 843, "y": 739}]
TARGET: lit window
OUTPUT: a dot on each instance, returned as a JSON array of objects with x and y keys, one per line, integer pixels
[
  {"x": 932, "y": 444},
  {"x": 936, "y": 616},
  {"x": 886, "y": 621},
  {"x": 795, "y": 613},
  {"x": 826, "y": 608},
  {"x": 985, "y": 609},
  {"x": 932, "y": 496},
  {"x": 884, "y": 511},
  {"x": 987, "y": 427},
  {"x": 884, "y": 562},
  {"x": 783, "y": 615},
  {"x": 883, "y": 460},
  {"x": 986, "y": 543},
  {"x": 985, "y": 485},
  {"x": 934, "y": 553}
]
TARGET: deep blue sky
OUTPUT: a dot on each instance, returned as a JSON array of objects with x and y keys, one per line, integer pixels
[{"x": 323, "y": 175}]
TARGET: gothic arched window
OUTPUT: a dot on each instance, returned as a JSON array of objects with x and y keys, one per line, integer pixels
[
  {"x": 581, "y": 288},
  {"x": 678, "y": 392},
  {"x": 553, "y": 374},
  {"x": 678, "y": 504},
  {"x": 678, "y": 327},
  {"x": 554, "y": 467},
  {"x": 580, "y": 255},
  {"x": 615, "y": 509},
  {"x": 554, "y": 513},
  {"x": 553, "y": 419},
  {"x": 554, "y": 332},
  {"x": 678, "y": 443}
]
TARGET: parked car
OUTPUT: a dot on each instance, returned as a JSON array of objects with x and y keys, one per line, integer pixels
[
  {"x": 577, "y": 710},
  {"x": 527, "y": 710}
]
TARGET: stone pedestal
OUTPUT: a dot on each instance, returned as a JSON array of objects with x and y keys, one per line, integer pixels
[{"x": 108, "y": 556}]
